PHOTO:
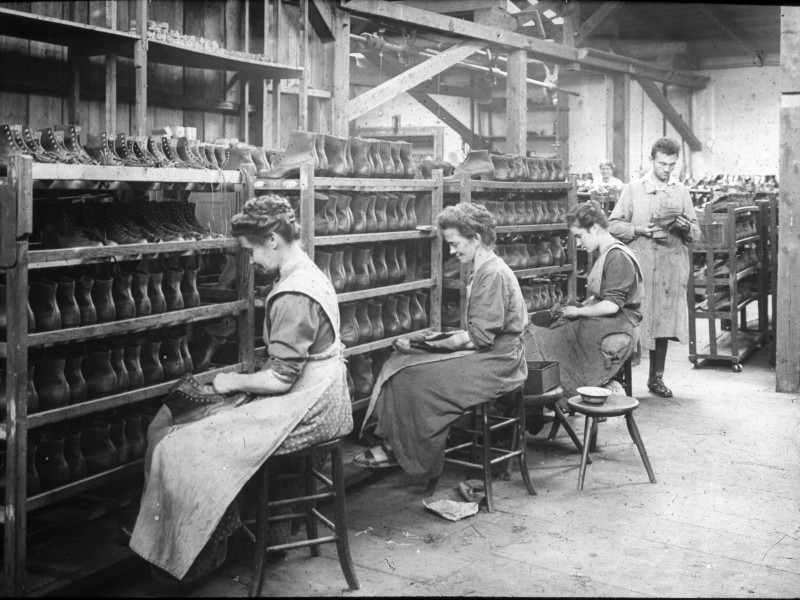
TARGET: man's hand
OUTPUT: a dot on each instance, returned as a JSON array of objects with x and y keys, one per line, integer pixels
[
  {"x": 646, "y": 230},
  {"x": 683, "y": 223}
]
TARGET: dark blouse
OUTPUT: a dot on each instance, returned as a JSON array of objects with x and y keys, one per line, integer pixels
[
  {"x": 496, "y": 304},
  {"x": 619, "y": 279},
  {"x": 298, "y": 327}
]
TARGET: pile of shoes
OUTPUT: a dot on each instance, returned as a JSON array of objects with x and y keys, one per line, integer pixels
[
  {"x": 514, "y": 209},
  {"x": 383, "y": 317},
  {"x": 364, "y": 266},
  {"x": 533, "y": 253},
  {"x": 57, "y": 144},
  {"x": 510, "y": 167},
  {"x": 543, "y": 294},
  {"x": 343, "y": 213},
  {"x": 108, "y": 221},
  {"x": 334, "y": 156}
]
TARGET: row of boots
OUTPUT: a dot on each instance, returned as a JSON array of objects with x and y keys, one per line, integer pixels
[
  {"x": 363, "y": 267},
  {"x": 65, "y": 302},
  {"x": 542, "y": 294},
  {"x": 77, "y": 449},
  {"x": 525, "y": 212},
  {"x": 111, "y": 223},
  {"x": 371, "y": 320},
  {"x": 540, "y": 252},
  {"x": 334, "y": 156},
  {"x": 363, "y": 213},
  {"x": 510, "y": 167}
]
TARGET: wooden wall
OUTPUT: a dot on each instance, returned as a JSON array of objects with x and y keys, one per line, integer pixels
[{"x": 34, "y": 78}]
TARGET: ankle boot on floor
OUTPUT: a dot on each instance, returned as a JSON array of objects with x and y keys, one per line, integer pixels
[
  {"x": 67, "y": 304},
  {"x": 348, "y": 328},
  {"x": 300, "y": 150},
  {"x": 42, "y": 299},
  {"x": 658, "y": 357},
  {"x": 51, "y": 465},
  {"x": 50, "y": 383},
  {"x": 335, "y": 151},
  {"x": 362, "y": 320},
  {"x": 97, "y": 448}
]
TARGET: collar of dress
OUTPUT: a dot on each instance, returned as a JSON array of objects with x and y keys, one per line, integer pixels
[{"x": 649, "y": 186}]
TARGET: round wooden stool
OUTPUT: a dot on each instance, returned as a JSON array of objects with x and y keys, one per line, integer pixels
[{"x": 615, "y": 406}]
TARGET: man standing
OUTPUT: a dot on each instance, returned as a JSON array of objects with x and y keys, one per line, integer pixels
[{"x": 655, "y": 216}]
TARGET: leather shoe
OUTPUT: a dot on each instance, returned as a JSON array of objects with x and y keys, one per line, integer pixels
[{"x": 657, "y": 387}]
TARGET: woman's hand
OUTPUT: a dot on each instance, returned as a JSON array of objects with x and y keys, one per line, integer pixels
[
  {"x": 403, "y": 346},
  {"x": 225, "y": 383},
  {"x": 457, "y": 341},
  {"x": 571, "y": 312}
]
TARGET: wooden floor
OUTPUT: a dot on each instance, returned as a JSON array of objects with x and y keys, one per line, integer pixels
[{"x": 723, "y": 519}]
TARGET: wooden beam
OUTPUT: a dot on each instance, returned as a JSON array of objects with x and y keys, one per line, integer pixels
[
  {"x": 372, "y": 78},
  {"x": 787, "y": 346},
  {"x": 673, "y": 116},
  {"x": 305, "y": 57},
  {"x": 341, "y": 73},
  {"x": 726, "y": 28},
  {"x": 140, "y": 66},
  {"x": 320, "y": 15},
  {"x": 603, "y": 12},
  {"x": 453, "y": 6},
  {"x": 517, "y": 103},
  {"x": 618, "y": 123},
  {"x": 539, "y": 49},
  {"x": 409, "y": 79}
]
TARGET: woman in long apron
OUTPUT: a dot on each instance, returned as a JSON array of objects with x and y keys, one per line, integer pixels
[
  {"x": 194, "y": 471},
  {"x": 418, "y": 396}
]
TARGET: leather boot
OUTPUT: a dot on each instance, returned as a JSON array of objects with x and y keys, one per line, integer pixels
[
  {"x": 375, "y": 314},
  {"x": 476, "y": 164},
  {"x": 381, "y": 268},
  {"x": 399, "y": 168},
  {"x": 42, "y": 299},
  {"x": 372, "y": 222},
  {"x": 533, "y": 169},
  {"x": 362, "y": 320},
  {"x": 373, "y": 275},
  {"x": 121, "y": 371},
  {"x": 362, "y": 167},
  {"x": 344, "y": 216},
  {"x": 51, "y": 464},
  {"x": 186, "y": 355},
  {"x": 335, "y": 151},
  {"x": 124, "y": 306},
  {"x": 258, "y": 156},
  {"x": 202, "y": 349},
  {"x": 375, "y": 157},
  {"x": 171, "y": 286},
  {"x": 385, "y": 150},
  {"x": 419, "y": 318},
  {"x": 391, "y": 322},
  {"x": 4, "y": 314},
  {"x": 131, "y": 356},
  {"x": 78, "y": 388},
  {"x": 67, "y": 305},
  {"x": 137, "y": 443},
  {"x": 152, "y": 371},
  {"x": 348, "y": 156},
  {"x": 407, "y": 159},
  {"x": 381, "y": 216},
  {"x": 544, "y": 257},
  {"x": 511, "y": 214},
  {"x": 539, "y": 216},
  {"x": 330, "y": 213},
  {"x": 141, "y": 301},
  {"x": 411, "y": 211},
  {"x": 358, "y": 207},
  {"x": 323, "y": 262},
  {"x": 103, "y": 300},
  {"x": 658, "y": 357},
  {"x": 349, "y": 272},
  {"x": 338, "y": 275},
  {"x": 222, "y": 154},
  {"x": 191, "y": 297},
  {"x": 402, "y": 216},
  {"x": 97, "y": 448},
  {"x": 530, "y": 212},
  {"x": 403, "y": 312},
  {"x": 50, "y": 383},
  {"x": 392, "y": 218},
  {"x": 348, "y": 328},
  {"x": 300, "y": 150},
  {"x": 526, "y": 259},
  {"x": 361, "y": 370},
  {"x": 501, "y": 167},
  {"x": 533, "y": 257},
  {"x": 171, "y": 359},
  {"x": 158, "y": 303},
  {"x": 557, "y": 250},
  {"x": 83, "y": 298},
  {"x": 401, "y": 261},
  {"x": 322, "y": 159},
  {"x": 360, "y": 269},
  {"x": 101, "y": 380},
  {"x": 320, "y": 218},
  {"x": 76, "y": 461},
  {"x": 116, "y": 426},
  {"x": 522, "y": 168},
  {"x": 241, "y": 157}
]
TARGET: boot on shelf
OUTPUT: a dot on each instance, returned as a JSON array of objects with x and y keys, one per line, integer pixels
[
  {"x": 321, "y": 167},
  {"x": 152, "y": 370},
  {"x": 362, "y": 167},
  {"x": 338, "y": 275},
  {"x": 401, "y": 261},
  {"x": 392, "y": 265},
  {"x": 67, "y": 304},
  {"x": 171, "y": 359},
  {"x": 407, "y": 159},
  {"x": 381, "y": 215},
  {"x": 96, "y": 446},
  {"x": 391, "y": 321},
  {"x": 375, "y": 314},
  {"x": 320, "y": 218},
  {"x": 101, "y": 379},
  {"x": 358, "y": 207},
  {"x": 349, "y": 271},
  {"x": 411, "y": 211},
  {"x": 155, "y": 293},
  {"x": 78, "y": 388},
  {"x": 300, "y": 150},
  {"x": 375, "y": 156},
  {"x": 402, "y": 215},
  {"x": 51, "y": 465},
  {"x": 323, "y": 262},
  {"x": 344, "y": 216},
  {"x": 385, "y": 149},
  {"x": 348, "y": 156},
  {"x": 419, "y": 318},
  {"x": 348, "y": 328},
  {"x": 337, "y": 160},
  {"x": 202, "y": 349},
  {"x": 42, "y": 299},
  {"x": 381, "y": 268},
  {"x": 186, "y": 355},
  {"x": 475, "y": 165},
  {"x": 241, "y": 157},
  {"x": 118, "y": 364},
  {"x": 362, "y": 321},
  {"x": 372, "y": 222},
  {"x": 141, "y": 301},
  {"x": 137, "y": 442},
  {"x": 103, "y": 300},
  {"x": 404, "y": 312},
  {"x": 131, "y": 356},
  {"x": 33, "y": 483},
  {"x": 392, "y": 218},
  {"x": 76, "y": 461},
  {"x": 258, "y": 156},
  {"x": 399, "y": 168},
  {"x": 191, "y": 297},
  {"x": 360, "y": 268},
  {"x": 50, "y": 383},
  {"x": 171, "y": 286},
  {"x": 658, "y": 357},
  {"x": 124, "y": 306},
  {"x": 116, "y": 432}
]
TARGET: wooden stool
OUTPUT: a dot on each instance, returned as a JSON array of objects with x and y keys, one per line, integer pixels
[
  {"x": 335, "y": 490},
  {"x": 550, "y": 400},
  {"x": 483, "y": 424},
  {"x": 615, "y": 406}
]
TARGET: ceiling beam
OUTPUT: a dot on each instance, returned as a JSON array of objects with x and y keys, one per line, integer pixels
[
  {"x": 409, "y": 79},
  {"x": 605, "y": 11},
  {"x": 547, "y": 51},
  {"x": 320, "y": 15},
  {"x": 453, "y": 6},
  {"x": 727, "y": 29},
  {"x": 372, "y": 77}
]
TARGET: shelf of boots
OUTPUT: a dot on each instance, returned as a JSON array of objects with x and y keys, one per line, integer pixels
[
  {"x": 531, "y": 228},
  {"x": 725, "y": 280},
  {"x": 384, "y": 343},
  {"x": 454, "y": 187},
  {"x": 45, "y": 259},
  {"x": 200, "y": 313},
  {"x": 366, "y": 184},
  {"x": 725, "y": 312},
  {"x": 751, "y": 239},
  {"x": 144, "y": 393},
  {"x": 382, "y": 236},
  {"x": 88, "y": 39},
  {"x": 539, "y": 271},
  {"x": 385, "y": 290},
  {"x": 53, "y": 175}
]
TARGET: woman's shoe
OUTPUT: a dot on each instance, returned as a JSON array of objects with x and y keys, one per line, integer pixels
[
  {"x": 658, "y": 388},
  {"x": 376, "y": 458}
]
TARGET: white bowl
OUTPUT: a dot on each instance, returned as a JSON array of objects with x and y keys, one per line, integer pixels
[{"x": 593, "y": 395}]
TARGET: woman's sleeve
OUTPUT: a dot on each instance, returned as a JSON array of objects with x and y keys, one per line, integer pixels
[
  {"x": 294, "y": 321},
  {"x": 487, "y": 309},
  {"x": 619, "y": 275}
]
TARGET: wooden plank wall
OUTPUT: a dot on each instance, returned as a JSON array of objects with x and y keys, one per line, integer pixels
[{"x": 45, "y": 103}]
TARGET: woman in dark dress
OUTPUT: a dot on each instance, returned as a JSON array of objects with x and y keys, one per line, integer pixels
[{"x": 418, "y": 396}]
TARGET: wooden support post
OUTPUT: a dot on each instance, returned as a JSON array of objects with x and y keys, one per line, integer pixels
[
  {"x": 517, "y": 103},
  {"x": 787, "y": 350},
  {"x": 74, "y": 97},
  {"x": 111, "y": 75},
  {"x": 603, "y": 12},
  {"x": 673, "y": 116},
  {"x": 341, "y": 73},
  {"x": 617, "y": 126},
  {"x": 305, "y": 59},
  {"x": 244, "y": 85},
  {"x": 140, "y": 67},
  {"x": 277, "y": 17}
]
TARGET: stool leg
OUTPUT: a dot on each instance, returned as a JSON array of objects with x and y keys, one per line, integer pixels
[
  {"x": 554, "y": 429},
  {"x": 637, "y": 439},
  {"x": 593, "y": 436},
  {"x": 262, "y": 530},
  {"x": 340, "y": 520},
  {"x": 628, "y": 377},
  {"x": 312, "y": 532},
  {"x": 585, "y": 456},
  {"x": 432, "y": 483},
  {"x": 473, "y": 449},
  {"x": 520, "y": 444},
  {"x": 487, "y": 457}
]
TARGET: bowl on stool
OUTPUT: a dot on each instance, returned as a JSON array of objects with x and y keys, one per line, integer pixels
[{"x": 593, "y": 395}]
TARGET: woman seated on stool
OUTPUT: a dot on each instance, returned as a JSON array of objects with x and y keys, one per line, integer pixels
[
  {"x": 194, "y": 471},
  {"x": 591, "y": 341},
  {"x": 418, "y": 396}
]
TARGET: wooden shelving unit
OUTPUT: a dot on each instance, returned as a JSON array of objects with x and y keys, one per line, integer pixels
[{"x": 18, "y": 196}]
